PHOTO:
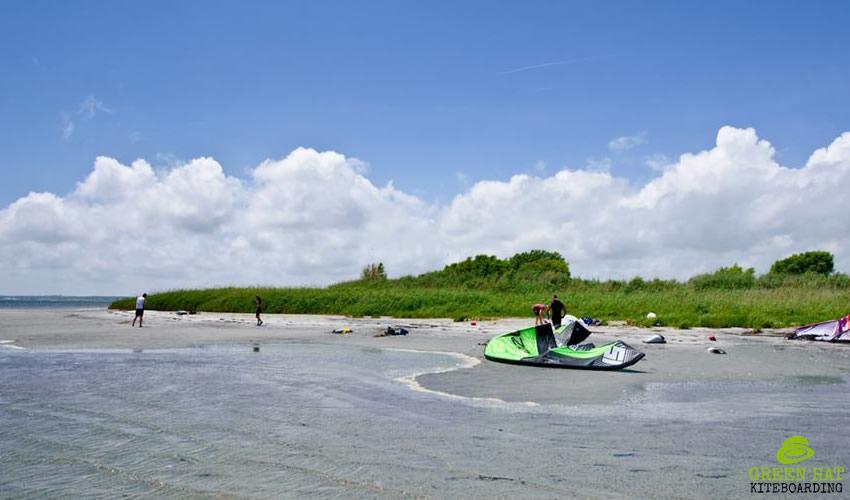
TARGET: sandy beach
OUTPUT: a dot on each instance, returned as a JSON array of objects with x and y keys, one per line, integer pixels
[
  {"x": 684, "y": 358},
  {"x": 682, "y": 423}
]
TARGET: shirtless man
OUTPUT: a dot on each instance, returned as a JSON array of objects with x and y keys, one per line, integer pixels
[{"x": 539, "y": 311}]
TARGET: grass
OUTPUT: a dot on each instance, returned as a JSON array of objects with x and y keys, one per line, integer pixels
[
  {"x": 484, "y": 287},
  {"x": 676, "y": 304}
]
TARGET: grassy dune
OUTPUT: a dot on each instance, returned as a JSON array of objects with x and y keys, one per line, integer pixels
[
  {"x": 488, "y": 287},
  {"x": 676, "y": 304}
]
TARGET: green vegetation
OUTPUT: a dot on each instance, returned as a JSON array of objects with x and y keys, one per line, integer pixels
[
  {"x": 725, "y": 278},
  {"x": 802, "y": 263},
  {"x": 373, "y": 272},
  {"x": 489, "y": 287}
]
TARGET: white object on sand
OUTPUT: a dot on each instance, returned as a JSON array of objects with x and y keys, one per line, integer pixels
[
  {"x": 655, "y": 339},
  {"x": 651, "y": 315},
  {"x": 10, "y": 344},
  {"x": 716, "y": 350}
]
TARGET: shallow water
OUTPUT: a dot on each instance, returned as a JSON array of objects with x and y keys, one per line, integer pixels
[
  {"x": 55, "y": 302},
  {"x": 333, "y": 421}
]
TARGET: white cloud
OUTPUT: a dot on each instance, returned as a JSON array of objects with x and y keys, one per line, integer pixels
[
  {"x": 91, "y": 107},
  {"x": 314, "y": 218},
  {"x": 658, "y": 162},
  {"x": 67, "y": 128},
  {"x": 599, "y": 164},
  {"x": 627, "y": 142},
  {"x": 549, "y": 64}
]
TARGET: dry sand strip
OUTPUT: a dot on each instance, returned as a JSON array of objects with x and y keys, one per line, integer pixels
[{"x": 684, "y": 358}]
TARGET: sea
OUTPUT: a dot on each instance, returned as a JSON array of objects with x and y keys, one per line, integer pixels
[{"x": 55, "y": 301}]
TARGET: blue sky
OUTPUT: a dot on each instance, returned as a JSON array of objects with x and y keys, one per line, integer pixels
[
  {"x": 659, "y": 139},
  {"x": 432, "y": 95}
]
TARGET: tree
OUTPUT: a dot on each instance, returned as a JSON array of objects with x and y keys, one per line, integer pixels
[
  {"x": 478, "y": 267},
  {"x": 373, "y": 272},
  {"x": 533, "y": 268},
  {"x": 818, "y": 262},
  {"x": 540, "y": 259}
]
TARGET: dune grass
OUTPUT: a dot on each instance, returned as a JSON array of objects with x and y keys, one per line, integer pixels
[
  {"x": 484, "y": 287},
  {"x": 677, "y": 305}
]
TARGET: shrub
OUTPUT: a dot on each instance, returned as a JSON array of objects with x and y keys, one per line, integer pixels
[
  {"x": 725, "y": 278},
  {"x": 374, "y": 272},
  {"x": 635, "y": 285},
  {"x": 540, "y": 261},
  {"x": 808, "y": 262}
]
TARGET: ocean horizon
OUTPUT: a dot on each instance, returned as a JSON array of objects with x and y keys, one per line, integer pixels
[{"x": 56, "y": 301}]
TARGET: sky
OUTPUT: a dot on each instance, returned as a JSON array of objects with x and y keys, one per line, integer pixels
[{"x": 166, "y": 144}]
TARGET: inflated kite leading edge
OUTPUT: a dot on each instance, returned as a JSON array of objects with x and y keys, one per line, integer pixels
[{"x": 544, "y": 345}]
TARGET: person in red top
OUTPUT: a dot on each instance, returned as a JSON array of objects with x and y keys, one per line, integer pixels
[{"x": 539, "y": 313}]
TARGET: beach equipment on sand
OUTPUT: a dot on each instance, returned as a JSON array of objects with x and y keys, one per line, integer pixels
[
  {"x": 837, "y": 330},
  {"x": 343, "y": 331},
  {"x": 655, "y": 339},
  {"x": 543, "y": 345},
  {"x": 393, "y": 331}
]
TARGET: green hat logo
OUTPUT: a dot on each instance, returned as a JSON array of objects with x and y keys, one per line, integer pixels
[{"x": 794, "y": 449}]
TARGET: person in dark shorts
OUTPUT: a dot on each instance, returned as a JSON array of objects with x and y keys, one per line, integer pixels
[
  {"x": 558, "y": 311},
  {"x": 539, "y": 311},
  {"x": 258, "y": 302},
  {"x": 140, "y": 309}
]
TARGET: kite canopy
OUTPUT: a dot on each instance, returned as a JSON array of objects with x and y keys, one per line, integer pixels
[
  {"x": 543, "y": 345},
  {"x": 830, "y": 331}
]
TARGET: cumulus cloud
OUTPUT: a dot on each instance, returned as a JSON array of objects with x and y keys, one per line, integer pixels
[
  {"x": 658, "y": 162},
  {"x": 626, "y": 142},
  {"x": 314, "y": 217}
]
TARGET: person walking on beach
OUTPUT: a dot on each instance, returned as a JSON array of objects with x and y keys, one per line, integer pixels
[
  {"x": 140, "y": 309},
  {"x": 539, "y": 311},
  {"x": 558, "y": 310},
  {"x": 258, "y": 302}
]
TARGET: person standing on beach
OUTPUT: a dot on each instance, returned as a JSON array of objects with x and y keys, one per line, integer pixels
[
  {"x": 140, "y": 309},
  {"x": 539, "y": 310},
  {"x": 258, "y": 302},
  {"x": 558, "y": 310}
]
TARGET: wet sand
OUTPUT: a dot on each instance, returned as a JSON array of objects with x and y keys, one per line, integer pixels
[{"x": 751, "y": 357}]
